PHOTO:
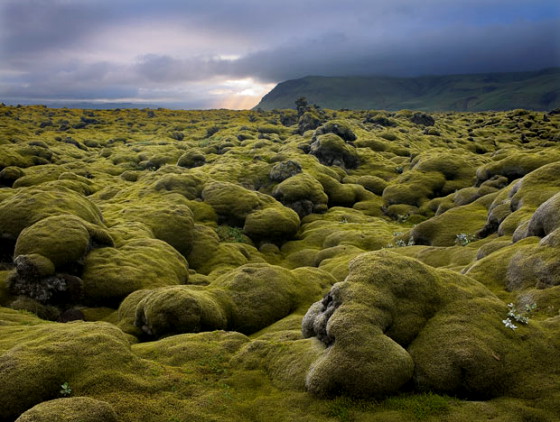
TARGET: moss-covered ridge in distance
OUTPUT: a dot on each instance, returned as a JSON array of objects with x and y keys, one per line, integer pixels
[{"x": 158, "y": 265}]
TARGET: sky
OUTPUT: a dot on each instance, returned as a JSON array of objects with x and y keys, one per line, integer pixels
[{"x": 229, "y": 53}]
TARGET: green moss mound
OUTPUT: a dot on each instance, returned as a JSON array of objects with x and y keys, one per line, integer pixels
[
  {"x": 419, "y": 329},
  {"x": 331, "y": 150},
  {"x": 27, "y": 206},
  {"x": 232, "y": 203},
  {"x": 272, "y": 223},
  {"x": 110, "y": 274},
  {"x": 70, "y": 409},
  {"x": 168, "y": 217},
  {"x": 303, "y": 193},
  {"x": 33, "y": 373},
  {"x": 246, "y": 299},
  {"x": 63, "y": 239}
]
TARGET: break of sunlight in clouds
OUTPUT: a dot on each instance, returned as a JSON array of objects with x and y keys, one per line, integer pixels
[
  {"x": 228, "y": 53},
  {"x": 241, "y": 93}
]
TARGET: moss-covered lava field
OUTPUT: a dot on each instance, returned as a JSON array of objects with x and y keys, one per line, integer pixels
[{"x": 311, "y": 265}]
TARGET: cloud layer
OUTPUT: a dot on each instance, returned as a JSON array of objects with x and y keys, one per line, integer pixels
[{"x": 223, "y": 52}]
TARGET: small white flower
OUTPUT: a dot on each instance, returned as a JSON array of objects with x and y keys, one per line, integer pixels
[{"x": 509, "y": 324}]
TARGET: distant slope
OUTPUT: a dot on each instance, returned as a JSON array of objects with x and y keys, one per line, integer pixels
[
  {"x": 538, "y": 90},
  {"x": 89, "y": 105}
]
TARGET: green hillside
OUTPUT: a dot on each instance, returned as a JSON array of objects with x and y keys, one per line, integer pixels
[{"x": 478, "y": 92}]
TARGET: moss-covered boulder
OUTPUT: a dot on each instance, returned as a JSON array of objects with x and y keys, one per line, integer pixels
[
  {"x": 414, "y": 324},
  {"x": 188, "y": 185},
  {"x": 9, "y": 175},
  {"x": 414, "y": 187},
  {"x": 35, "y": 277},
  {"x": 179, "y": 309},
  {"x": 167, "y": 216},
  {"x": 272, "y": 223},
  {"x": 516, "y": 165},
  {"x": 64, "y": 239},
  {"x": 284, "y": 170},
  {"x": 246, "y": 299},
  {"x": 339, "y": 128},
  {"x": 27, "y": 206},
  {"x": 444, "y": 229},
  {"x": 302, "y": 193},
  {"x": 232, "y": 202},
  {"x": 35, "y": 362},
  {"x": 373, "y": 184},
  {"x": 309, "y": 120},
  {"x": 192, "y": 158},
  {"x": 70, "y": 409},
  {"x": 110, "y": 274},
  {"x": 546, "y": 218},
  {"x": 262, "y": 294},
  {"x": 331, "y": 150},
  {"x": 204, "y": 247}
]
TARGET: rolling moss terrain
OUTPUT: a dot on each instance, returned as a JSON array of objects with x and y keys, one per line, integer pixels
[{"x": 316, "y": 265}]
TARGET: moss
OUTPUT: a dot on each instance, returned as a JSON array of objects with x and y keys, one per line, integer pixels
[
  {"x": 192, "y": 158},
  {"x": 310, "y": 120},
  {"x": 130, "y": 175},
  {"x": 32, "y": 373},
  {"x": 546, "y": 218},
  {"x": 272, "y": 223},
  {"x": 454, "y": 257},
  {"x": 9, "y": 175},
  {"x": 372, "y": 183},
  {"x": 187, "y": 185},
  {"x": 246, "y": 299},
  {"x": 27, "y": 206},
  {"x": 204, "y": 246},
  {"x": 421, "y": 406},
  {"x": 424, "y": 317},
  {"x": 110, "y": 274},
  {"x": 24, "y": 303},
  {"x": 63, "y": 239},
  {"x": 515, "y": 165},
  {"x": 340, "y": 128},
  {"x": 446, "y": 323},
  {"x": 285, "y": 363},
  {"x": 70, "y": 409},
  {"x": 204, "y": 349},
  {"x": 226, "y": 257},
  {"x": 232, "y": 202},
  {"x": 261, "y": 294},
  {"x": 303, "y": 193},
  {"x": 331, "y": 150},
  {"x": 371, "y": 207},
  {"x": 179, "y": 309},
  {"x": 442, "y": 230},
  {"x": 300, "y": 258},
  {"x": 342, "y": 194},
  {"x": 284, "y": 170},
  {"x": 413, "y": 188},
  {"x": 168, "y": 217}
]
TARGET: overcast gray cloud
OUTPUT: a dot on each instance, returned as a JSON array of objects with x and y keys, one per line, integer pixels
[{"x": 230, "y": 52}]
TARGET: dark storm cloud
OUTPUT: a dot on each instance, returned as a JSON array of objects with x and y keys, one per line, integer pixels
[
  {"x": 497, "y": 48},
  {"x": 33, "y": 26},
  {"x": 163, "y": 69},
  {"x": 175, "y": 48}
]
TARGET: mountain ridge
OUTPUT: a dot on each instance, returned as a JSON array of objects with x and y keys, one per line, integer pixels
[{"x": 535, "y": 90}]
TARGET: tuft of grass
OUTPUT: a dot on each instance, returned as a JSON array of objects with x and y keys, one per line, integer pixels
[
  {"x": 420, "y": 406},
  {"x": 230, "y": 234},
  {"x": 344, "y": 408}
]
